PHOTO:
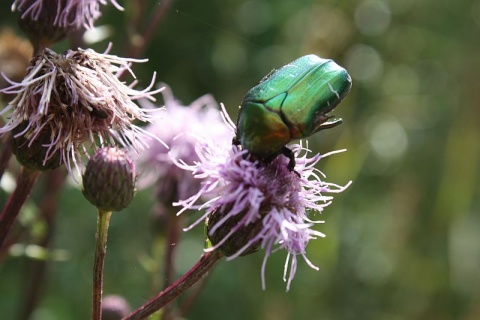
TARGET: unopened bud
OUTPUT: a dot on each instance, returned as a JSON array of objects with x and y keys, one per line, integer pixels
[
  {"x": 109, "y": 180},
  {"x": 114, "y": 308}
]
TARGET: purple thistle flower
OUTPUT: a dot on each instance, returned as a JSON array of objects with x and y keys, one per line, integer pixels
[
  {"x": 255, "y": 204},
  {"x": 180, "y": 129},
  {"x": 69, "y": 13},
  {"x": 73, "y": 99}
]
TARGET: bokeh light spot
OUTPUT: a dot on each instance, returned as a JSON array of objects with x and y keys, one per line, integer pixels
[
  {"x": 401, "y": 80},
  {"x": 254, "y": 17},
  {"x": 364, "y": 63},
  {"x": 388, "y": 138},
  {"x": 229, "y": 58},
  {"x": 372, "y": 17}
]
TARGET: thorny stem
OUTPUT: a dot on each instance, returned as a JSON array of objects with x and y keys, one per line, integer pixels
[
  {"x": 196, "y": 273},
  {"x": 100, "y": 251},
  {"x": 25, "y": 182}
]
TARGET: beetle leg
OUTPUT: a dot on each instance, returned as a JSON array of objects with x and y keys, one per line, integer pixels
[
  {"x": 289, "y": 154},
  {"x": 291, "y": 164},
  {"x": 235, "y": 141}
]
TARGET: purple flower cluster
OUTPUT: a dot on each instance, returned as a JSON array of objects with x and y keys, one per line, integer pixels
[
  {"x": 269, "y": 195},
  {"x": 179, "y": 129}
]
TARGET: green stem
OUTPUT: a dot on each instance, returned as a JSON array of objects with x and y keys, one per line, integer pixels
[
  {"x": 100, "y": 252},
  {"x": 196, "y": 273},
  {"x": 25, "y": 182}
]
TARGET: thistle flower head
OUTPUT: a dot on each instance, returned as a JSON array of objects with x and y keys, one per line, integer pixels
[
  {"x": 76, "y": 100},
  {"x": 180, "y": 129},
  {"x": 259, "y": 205},
  {"x": 63, "y": 13},
  {"x": 46, "y": 21},
  {"x": 109, "y": 179}
]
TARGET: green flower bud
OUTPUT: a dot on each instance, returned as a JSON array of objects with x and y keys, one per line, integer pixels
[{"x": 109, "y": 180}]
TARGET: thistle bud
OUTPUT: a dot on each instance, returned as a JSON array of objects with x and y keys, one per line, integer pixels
[
  {"x": 109, "y": 180},
  {"x": 40, "y": 27},
  {"x": 46, "y": 22},
  {"x": 114, "y": 308}
]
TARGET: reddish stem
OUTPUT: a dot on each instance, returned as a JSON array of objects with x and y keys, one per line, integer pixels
[
  {"x": 197, "y": 272},
  {"x": 25, "y": 182}
]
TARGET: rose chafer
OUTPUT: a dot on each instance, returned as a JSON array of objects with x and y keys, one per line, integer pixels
[{"x": 292, "y": 102}]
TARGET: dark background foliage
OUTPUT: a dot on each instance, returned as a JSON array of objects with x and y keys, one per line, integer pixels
[{"x": 402, "y": 242}]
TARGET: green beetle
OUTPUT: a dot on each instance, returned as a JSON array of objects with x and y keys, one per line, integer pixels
[{"x": 292, "y": 102}]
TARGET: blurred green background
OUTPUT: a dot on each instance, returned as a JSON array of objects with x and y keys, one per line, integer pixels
[{"x": 403, "y": 242}]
